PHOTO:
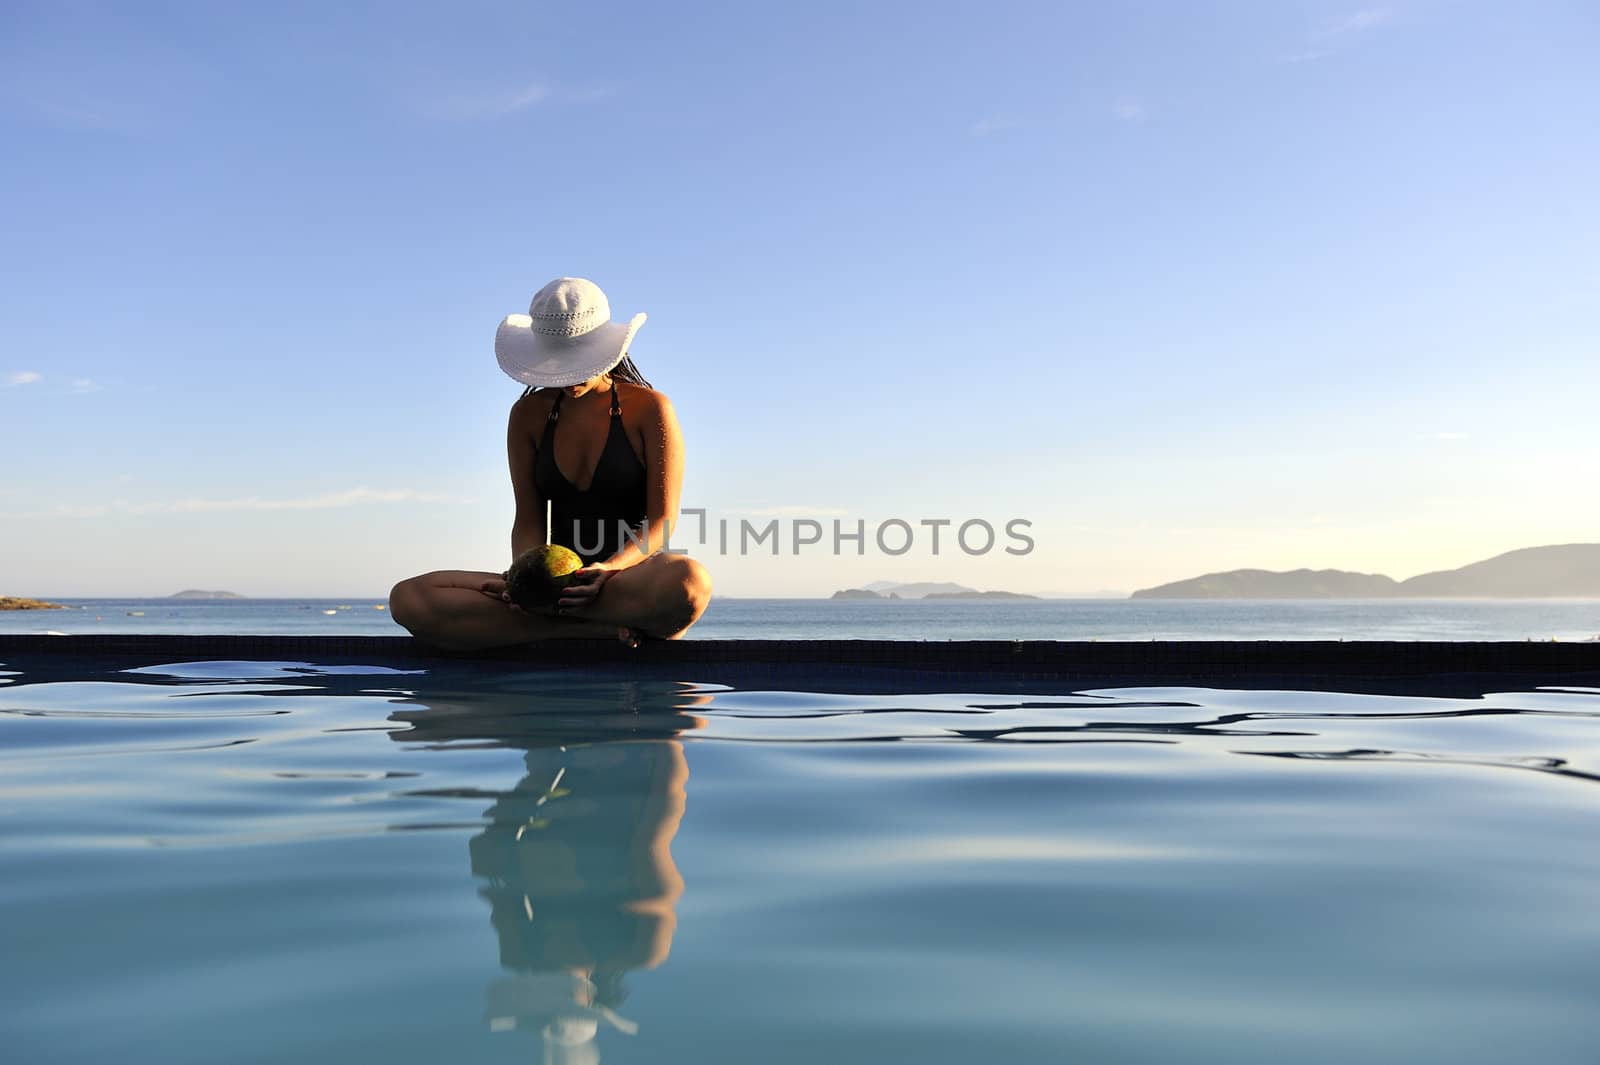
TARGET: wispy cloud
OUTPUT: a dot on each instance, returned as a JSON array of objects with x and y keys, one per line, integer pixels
[
  {"x": 1129, "y": 109},
  {"x": 1334, "y": 34},
  {"x": 75, "y": 386},
  {"x": 1359, "y": 22},
  {"x": 59, "y": 76},
  {"x": 589, "y": 94},
  {"x": 351, "y": 497},
  {"x": 485, "y": 105},
  {"x": 992, "y": 124},
  {"x": 67, "y": 114},
  {"x": 798, "y": 510}
]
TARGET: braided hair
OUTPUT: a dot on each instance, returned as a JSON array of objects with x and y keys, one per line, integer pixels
[{"x": 627, "y": 371}]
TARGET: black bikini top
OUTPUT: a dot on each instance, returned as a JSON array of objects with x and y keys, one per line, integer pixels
[{"x": 617, "y": 488}]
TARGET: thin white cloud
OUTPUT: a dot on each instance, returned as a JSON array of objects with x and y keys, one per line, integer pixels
[
  {"x": 52, "y": 98},
  {"x": 1333, "y": 35},
  {"x": 23, "y": 377},
  {"x": 67, "y": 510},
  {"x": 74, "y": 116},
  {"x": 1129, "y": 109},
  {"x": 351, "y": 497},
  {"x": 799, "y": 510},
  {"x": 485, "y": 106},
  {"x": 63, "y": 80},
  {"x": 993, "y": 124},
  {"x": 589, "y": 94},
  {"x": 1359, "y": 22},
  {"x": 82, "y": 385}
]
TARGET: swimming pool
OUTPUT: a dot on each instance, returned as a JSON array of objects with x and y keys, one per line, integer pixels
[{"x": 796, "y": 854}]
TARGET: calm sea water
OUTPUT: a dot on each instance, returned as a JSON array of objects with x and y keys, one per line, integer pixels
[
  {"x": 1055, "y": 619},
  {"x": 265, "y": 862}
]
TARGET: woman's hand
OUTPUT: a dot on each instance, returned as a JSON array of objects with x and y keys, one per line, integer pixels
[
  {"x": 495, "y": 588},
  {"x": 582, "y": 590}
]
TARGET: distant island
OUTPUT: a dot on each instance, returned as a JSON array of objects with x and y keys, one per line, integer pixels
[
  {"x": 1570, "y": 571},
  {"x": 195, "y": 593},
  {"x": 1267, "y": 584},
  {"x": 922, "y": 590},
  {"x": 978, "y": 595},
  {"x": 8, "y": 602},
  {"x": 913, "y": 589}
]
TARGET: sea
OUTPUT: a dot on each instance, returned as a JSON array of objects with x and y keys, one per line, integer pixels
[
  {"x": 345, "y": 860},
  {"x": 905, "y": 619}
]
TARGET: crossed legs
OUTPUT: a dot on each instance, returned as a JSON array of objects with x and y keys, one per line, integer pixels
[{"x": 659, "y": 597}]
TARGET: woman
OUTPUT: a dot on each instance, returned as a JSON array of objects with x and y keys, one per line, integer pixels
[{"x": 618, "y": 439}]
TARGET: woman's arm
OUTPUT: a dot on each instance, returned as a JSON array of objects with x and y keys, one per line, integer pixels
[
  {"x": 663, "y": 465},
  {"x": 528, "y": 528}
]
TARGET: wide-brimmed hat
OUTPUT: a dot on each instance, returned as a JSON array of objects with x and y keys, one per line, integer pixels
[{"x": 566, "y": 337}]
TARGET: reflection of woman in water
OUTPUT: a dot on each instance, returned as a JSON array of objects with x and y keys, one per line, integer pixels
[
  {"x": 591, "y": 438},
  {"x": 580, "y": 881},
  {"x": 576, "y": 862}
]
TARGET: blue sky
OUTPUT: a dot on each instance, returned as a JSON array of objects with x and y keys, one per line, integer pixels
[{"x": 1188, "y": 287}]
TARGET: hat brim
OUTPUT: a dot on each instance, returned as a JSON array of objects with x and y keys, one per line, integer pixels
[{"x": 556, "y": 362}]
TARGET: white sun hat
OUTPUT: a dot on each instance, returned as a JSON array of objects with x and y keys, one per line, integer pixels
[{"x": 566, "y": 337}]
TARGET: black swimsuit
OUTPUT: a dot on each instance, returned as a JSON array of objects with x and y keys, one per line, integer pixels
[{"x": 593, "y": 521}]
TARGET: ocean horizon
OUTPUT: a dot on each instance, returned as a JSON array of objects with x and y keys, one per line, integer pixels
[{"x": 756, "y": 618}]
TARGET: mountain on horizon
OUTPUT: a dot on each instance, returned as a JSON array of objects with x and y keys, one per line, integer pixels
[
  {"x": 1569, "y": 571},
  {"x": 1557, "y": 571},
  {"x": 915, "y": 589}
]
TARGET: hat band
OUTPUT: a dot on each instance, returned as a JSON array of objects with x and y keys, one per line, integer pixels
[{"x": 571, "y": 324}]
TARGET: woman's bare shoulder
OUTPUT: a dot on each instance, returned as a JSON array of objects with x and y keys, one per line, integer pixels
[
  {"x": 532, "y": 406},
  {"x": 647, "y": 400}
]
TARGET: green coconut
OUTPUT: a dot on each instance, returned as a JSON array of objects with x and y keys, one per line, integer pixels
[{"x": 536, "y": 578}]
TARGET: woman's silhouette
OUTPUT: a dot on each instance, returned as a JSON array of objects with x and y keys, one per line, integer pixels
[{"x": 611, "y": 477}]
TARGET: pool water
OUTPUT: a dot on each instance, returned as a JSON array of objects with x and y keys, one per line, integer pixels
[{"x": 264, "y": 862}]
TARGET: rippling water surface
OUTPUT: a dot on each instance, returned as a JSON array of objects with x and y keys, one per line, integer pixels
[{"x": 254, "y": 862}]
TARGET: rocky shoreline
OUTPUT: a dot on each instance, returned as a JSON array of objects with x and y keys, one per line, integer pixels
[{"x": 8, "y": 602}]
